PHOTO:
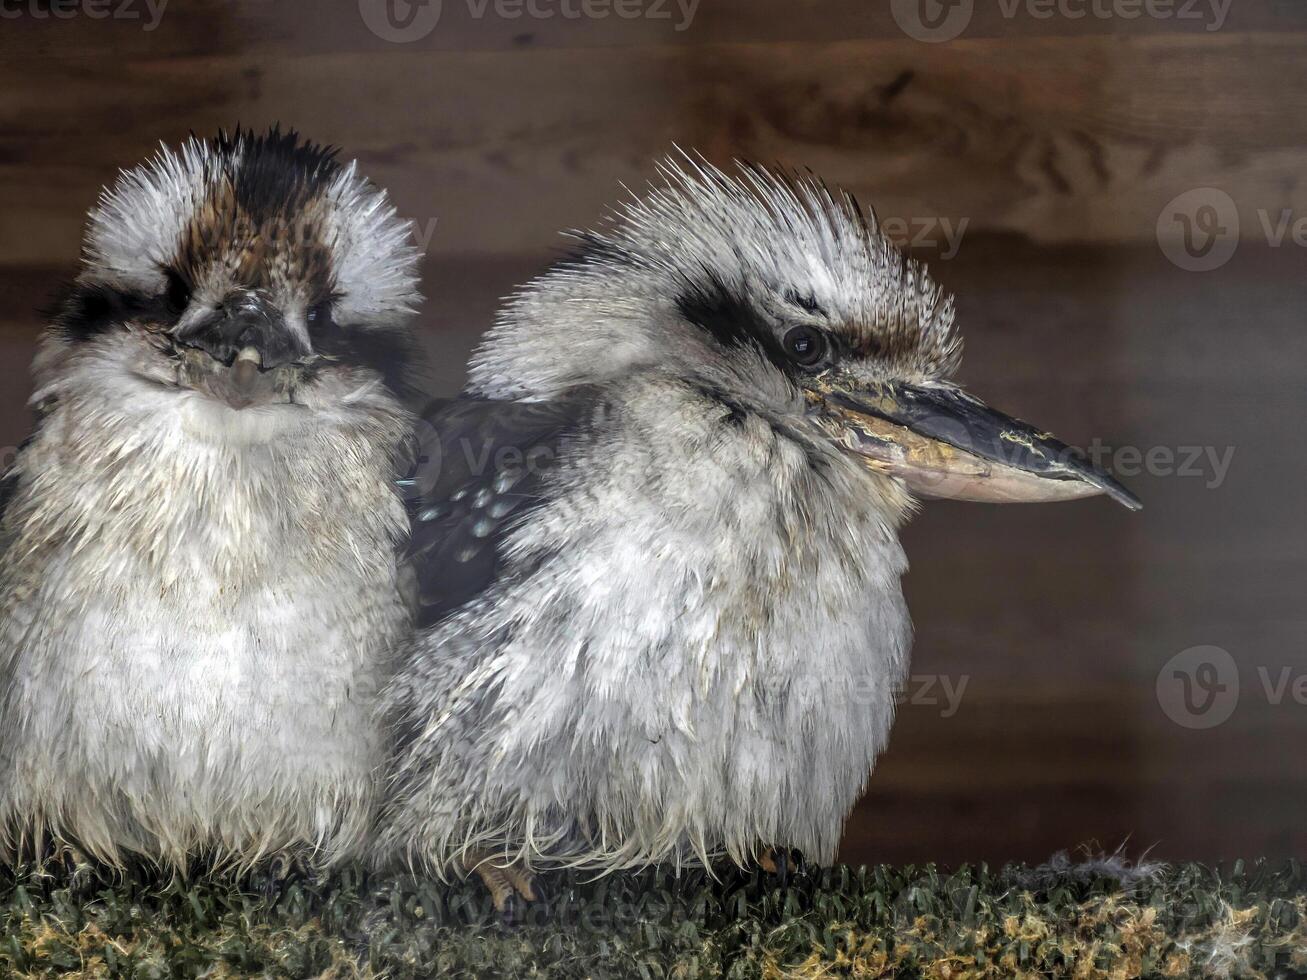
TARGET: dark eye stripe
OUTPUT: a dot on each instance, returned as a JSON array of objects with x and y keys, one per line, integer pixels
[
  {"x": 723, "y": 313},
  {"x": 729, "y": 318},
  {"x": 88, "y": 309}
]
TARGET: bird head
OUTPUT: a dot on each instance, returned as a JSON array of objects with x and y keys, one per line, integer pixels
[
  {"x": 786, "y": 299},
  {"x": 249, "y": 271}
]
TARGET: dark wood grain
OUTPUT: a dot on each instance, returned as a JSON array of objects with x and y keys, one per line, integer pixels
[
  {"x": 1057, "y": 141},
  {"x": 1078, "y": 139},
  {"x": 272, "y": 28}
]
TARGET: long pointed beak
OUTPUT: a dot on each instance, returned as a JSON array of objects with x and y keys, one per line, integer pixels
[{"x": 944, "y": 443}]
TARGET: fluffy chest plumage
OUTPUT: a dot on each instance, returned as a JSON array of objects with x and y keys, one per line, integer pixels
[
  {"x": 194, "y": 631},
  {"x": 695, "y": 649}
]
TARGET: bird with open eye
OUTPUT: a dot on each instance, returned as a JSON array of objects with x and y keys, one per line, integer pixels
[
  {"x": 658, "y": 564},
  {"x": 200, "y": 586}
]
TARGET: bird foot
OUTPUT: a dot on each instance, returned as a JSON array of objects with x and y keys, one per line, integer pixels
[
  {"x": 278, "y": 873},
  {"x": 69, "y": 863},
  {"x": 509, "y": 885},
  {"x": 781, "y": 861}
]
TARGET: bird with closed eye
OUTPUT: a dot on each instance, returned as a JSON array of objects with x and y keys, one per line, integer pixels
[{"x": 200, "y": 579}]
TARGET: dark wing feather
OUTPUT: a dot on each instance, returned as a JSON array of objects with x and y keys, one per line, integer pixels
[{"x": 481, "y": 466}]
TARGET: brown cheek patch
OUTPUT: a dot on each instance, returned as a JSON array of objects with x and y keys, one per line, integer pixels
[
  {"x": 883, "y": 342},
  {"x": 902, "y": 345}
]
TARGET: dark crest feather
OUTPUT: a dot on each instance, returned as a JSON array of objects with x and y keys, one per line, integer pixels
[{"x": 278, "y": 171}]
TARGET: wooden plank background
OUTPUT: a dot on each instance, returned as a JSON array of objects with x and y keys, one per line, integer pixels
[{"x": 1057, "y": 141}]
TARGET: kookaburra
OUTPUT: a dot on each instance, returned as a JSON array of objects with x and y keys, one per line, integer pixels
[
  {"x": 657, "y": 538},
  {"x": 200, "y": 589}
]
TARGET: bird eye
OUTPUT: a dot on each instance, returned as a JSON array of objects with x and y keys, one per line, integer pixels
[
  {"x": 178, "y": 295},
  {"x": 806, "y": 346}
]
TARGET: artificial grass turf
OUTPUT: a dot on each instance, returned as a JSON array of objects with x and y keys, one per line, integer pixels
[{"x": 1087, "y": 920}]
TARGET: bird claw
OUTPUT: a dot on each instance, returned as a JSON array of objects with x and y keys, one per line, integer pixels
[
  {"x": 780, "y": 862},
  {"x": 510, "y": 886},
  {"x": 513, "y": 911},
  {"x": 279, "y": 873},
  {"x": 67, "y": 862}
]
